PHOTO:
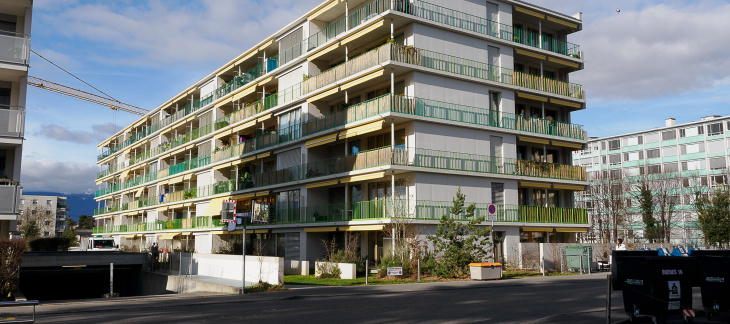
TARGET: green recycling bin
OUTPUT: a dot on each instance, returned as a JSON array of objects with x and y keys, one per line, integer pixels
[{"x": 579, "y": 258}]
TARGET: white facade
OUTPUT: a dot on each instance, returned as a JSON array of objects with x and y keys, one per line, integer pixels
[
  {"x": 50, "y": 213},
  {"x": 695, "y": 153},
  {"x": 354, "y": 106},
  {"x": 15, "y": 23}
]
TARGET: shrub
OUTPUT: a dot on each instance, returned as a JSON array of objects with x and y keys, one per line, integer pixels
[
  {"x": 50, "y": 244},
  {"x": 328, "y": 269},
  {"x": 11, "y": 254},
  {"x": 264, "y": 287},
  {"x": 394, "y": 261}
]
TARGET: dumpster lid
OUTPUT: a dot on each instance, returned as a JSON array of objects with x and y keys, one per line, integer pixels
[{"x": 485, "y": 264}]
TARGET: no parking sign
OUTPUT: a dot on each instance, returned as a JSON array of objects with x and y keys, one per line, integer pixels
[{"x": 492, "y": 209}]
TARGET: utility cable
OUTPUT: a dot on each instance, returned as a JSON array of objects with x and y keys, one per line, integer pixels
[{"x": 71, "y": 74}]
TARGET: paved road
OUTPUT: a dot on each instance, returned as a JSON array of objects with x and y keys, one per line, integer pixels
[{"x": 568, "y": 299}]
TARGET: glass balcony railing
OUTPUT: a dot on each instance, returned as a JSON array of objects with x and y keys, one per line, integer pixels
[
  {"x": 12, "y": 118},
  {"x": 14, "y": 48},
  {"x": 372, "y": 210}
]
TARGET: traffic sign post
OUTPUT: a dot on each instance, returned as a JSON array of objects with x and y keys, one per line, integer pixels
[
  {"x": 492, "y": 209},
  {"x": 243, "y": 217}
]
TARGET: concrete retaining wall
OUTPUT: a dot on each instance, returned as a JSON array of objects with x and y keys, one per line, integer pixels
[
  {"x": 270, "y": 269},
  {"x": 158, "y": 284}
]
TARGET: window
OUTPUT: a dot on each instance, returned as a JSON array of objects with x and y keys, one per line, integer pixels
[
  {"x": 614, "y": 145},
  {"x": 652, "y": 137},
  {"x": 714, "y": 129},
  {"x": 669, "y": 135},
  {"x": 716, "y": 180},
  {"x": 289, "y": 123},
  {"x": 694, "y": 182},
  {"x": 692, "y": 148},
  {"x": 615, "y": 174},
  {"x": 48, "y": 223},
  {"x": 671, "y": 167},
  {"x": 22, "y": 201},
  {"x": 48, "y": 202},
  {"x": 691, "y": 131},
  {"x": 603, "y": 159},
  {"x": 715, "y": 147},
  {"x": 614, "y": 159},
  {"x": 603, "y": 146},
  {"x": 636, "y": 140},
  {"x": 718, "y": 163},
  {"x": 497, "y": 193},
  {"x": 693, "y": 165},
  {"x": 494, "y": 101},
  {"x": 669, "y": 151},
  {"x": 654, "y": 169},
  {"x": 633, "y": 156},
  {"x": 287, "y": 204},
  {"x": 653, "y": 153},
  {"x": 35, "y": 201}
]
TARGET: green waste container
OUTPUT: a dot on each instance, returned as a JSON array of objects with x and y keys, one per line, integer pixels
[{"x": 579, "y": 258}]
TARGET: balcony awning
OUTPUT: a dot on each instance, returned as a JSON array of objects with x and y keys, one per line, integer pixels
[
  {"x": 569, "y": 145},
  {"x": 572, "y": 230},
  {"x": 167, "y": 236},
  {"x": 534, "y": 184},
  {"x": 129, "y": 236},
  {"x": 569, "y": 187},
  {"x": 537, "y": 229},
  {"x": 533, "y": 140},
  {"x": 376, "y": 175},
  {"x": 364, "y": 129},
  {"x": 214, "y": 207},
  {"x": 321, "y": 140},
  {"x": 320, "y": 229},
  {"x": 362, "y": 228}
]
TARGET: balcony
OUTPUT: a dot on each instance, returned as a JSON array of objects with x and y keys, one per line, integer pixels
[
  {"x": 12, "y": 120},
  {"x": 9, "y": 198},
  {"x": 373, "y": 210},
  {"x": 14, "y": 48}
]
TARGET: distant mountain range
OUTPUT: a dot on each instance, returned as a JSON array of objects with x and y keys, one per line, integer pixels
[{"x": 78, "y": 204}]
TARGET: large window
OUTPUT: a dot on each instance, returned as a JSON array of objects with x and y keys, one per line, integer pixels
[
  {"x": 669, "y": 135},
  {"x": 693, "y": 165},
  {"x": 652, "y": 153},
  {"x": 714, "y": 129},
  {"x": 692, "y": 148},
  {"x": 614, "y": 159},
  {"x": 287, "y": 205},
  {"x": 614, "y": 145}
]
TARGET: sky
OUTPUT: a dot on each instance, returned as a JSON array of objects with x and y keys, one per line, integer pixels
[{"x": 650, "y": 61}]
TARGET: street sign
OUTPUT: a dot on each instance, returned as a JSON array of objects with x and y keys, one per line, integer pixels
[
  {"x": 492, "y": 209},
  {"x": 395, "y": 271}
]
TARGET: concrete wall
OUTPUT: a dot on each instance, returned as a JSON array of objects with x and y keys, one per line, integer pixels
[
  {"x": 157, "y": 284},
  {"x": 270, "y": 269},
  {"x": 450, "y": 90}
]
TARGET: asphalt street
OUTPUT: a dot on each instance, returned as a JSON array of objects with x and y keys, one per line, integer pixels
[{"x": 566, "y": 299}]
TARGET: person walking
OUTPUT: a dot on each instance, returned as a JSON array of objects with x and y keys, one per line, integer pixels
[{"x": 155, "y": 256}]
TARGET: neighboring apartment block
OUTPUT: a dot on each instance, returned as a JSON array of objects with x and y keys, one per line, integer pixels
[
  {"x": 679, "y": 160},
  {"x": 353, "y": 114},
  {"x": 49, "y": 212},
  {"x": 15, "y": 19}
]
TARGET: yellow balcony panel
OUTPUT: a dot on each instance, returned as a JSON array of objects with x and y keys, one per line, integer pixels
[
  {"x": 247, "y": 90},
  {"x": 364, "y": 129},
  {"x": 534, "y": 184},
  {"x": 569, "y": 187},
  {"x": 320, "y": 229},
  {"x": 167, "y": 236},
  {"x": 563, "y": 62},
  {"x": 373, "y": 26},
  {"x": 214, "y": 207},
  {"x": 323, "y": 51},
  {"x": 321, "y": 184},
  {"x": 566, "y": 144},
  {"x": 533, "y": 140},
  {"x": 362, "y": 228},
  {"x": 326, "y": 7},
  {"x": 363, "y": 79},
  {"x": 243, "y": 126},
  {"x": 264, "y": 118},
  {"x": 530, "y": 12},
  {"x": 566, "y": 103},
  {"x": 263, "y": 155},
  {"x": 533, "y": 97},
  {"x": 562, "y": 22},
  {"x": 537, "y": 229},
  {"x": 321, "y": 140},
  {"x": 571, "y": 230},
  {"x": 530, "y": 54},
  {"x": 324, "y": 94},
  {"x": 364, "y": 177},
  {"x": 244, "y": 196},
  {"x": 222, "y": 166},
  {"x": 247, "y": 56}
]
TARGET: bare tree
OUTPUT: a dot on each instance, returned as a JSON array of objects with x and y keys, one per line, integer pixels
[
  {"x": 39, "y": 215},
  {"x": 608, "y": 196},
  {"x": 666, "y": 189}
]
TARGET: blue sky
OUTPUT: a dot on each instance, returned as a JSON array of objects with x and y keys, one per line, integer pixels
[{"x": 651, "y": 61}]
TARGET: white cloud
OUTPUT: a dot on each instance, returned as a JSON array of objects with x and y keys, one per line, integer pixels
[
  {"x": 57, "y": 176},
  {"x": 656, "y": 51},
  {"x": 98, "y": 133},
  {"x": 163, "y": 32}
]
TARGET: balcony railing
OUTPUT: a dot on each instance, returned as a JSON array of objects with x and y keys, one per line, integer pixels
[
  {"x": 485, "y": 26},
  {"x": 372, "y": 210},
  {"x": 14, "y": 48},
  {"x": 12, "y": 119},
  {"x": 9, "y": 198}
]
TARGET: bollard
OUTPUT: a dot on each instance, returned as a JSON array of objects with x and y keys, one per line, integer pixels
[
  {"x": 367, "y": 271},
  {"x": 608, "y": 299},
  {"x": 111, "y": 279}
]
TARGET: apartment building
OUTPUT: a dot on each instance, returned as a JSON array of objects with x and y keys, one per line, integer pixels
[
  {"x": 356, "y": 115},
  {"x": 15, "y": 21},
  {"x": 49, "y": 212},
  {"x": 680, "y": 160}
]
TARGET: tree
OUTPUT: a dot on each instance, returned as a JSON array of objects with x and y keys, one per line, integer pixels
[
  {"x": 37, "y": 220},
  {"x": 666, "y": 187},
  {"x": 70, "y": 235},
  {"x": 86, "y": 222},
  {"x": 713, "y": 214},
  {"x": 646, "y": 206},
  {"x": 458, "y": 243},
  {"x": 11, "y": 254},
  {"x": 608, "y": 196},
  {"x": 29, "y": 230}
]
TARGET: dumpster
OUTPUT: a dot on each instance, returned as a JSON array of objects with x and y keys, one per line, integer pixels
[
  {"x": 485, "y": 271},
  {"x": 678, "y": 251},
  {"x": 616, "y": 256},
  {"x": 713, "y": 267},
  {"x": 663, "y": 251},
  {"x": 657, "y": 286},
  {"x": 579, "y": 258}
]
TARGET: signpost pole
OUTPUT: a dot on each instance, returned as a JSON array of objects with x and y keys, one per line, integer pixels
[{"x": 243, "y": 255}]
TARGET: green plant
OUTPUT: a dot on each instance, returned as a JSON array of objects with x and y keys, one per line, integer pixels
[
  {"x": 390, "y": 41},
  {"x": 457, "y": 244},
  {"x": 263, "y": 286},
  {"x": 328, "y": 269},
  {"x": 393, "y": 261}
]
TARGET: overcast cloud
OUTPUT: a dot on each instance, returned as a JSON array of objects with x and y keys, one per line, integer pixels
[
  {"x": 97, "y": 134},
  {"x": 56, "y": 176}
]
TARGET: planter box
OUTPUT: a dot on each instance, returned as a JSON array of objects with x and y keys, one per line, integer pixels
[
  {"x": 347, "y": 270},
  {"x": 485, "y": 271}
]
